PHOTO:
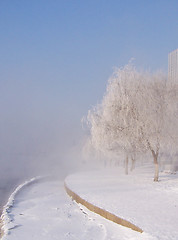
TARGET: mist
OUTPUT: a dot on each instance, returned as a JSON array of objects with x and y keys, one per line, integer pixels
[
  {"x": 55, "y": 59},
  {"x": 38, "y": 135}
]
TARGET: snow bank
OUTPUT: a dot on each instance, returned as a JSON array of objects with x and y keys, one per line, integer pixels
[
  {"x": 100, "y": 211},
  {"x": 151, "y": 206},
  {"x": 7, "y": 217},
  {"x": 44, "y": 211}
]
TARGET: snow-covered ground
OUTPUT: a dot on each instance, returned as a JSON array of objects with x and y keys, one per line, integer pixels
[
  {"x": 43, "y": 210},
  {"x": 152, "y": 206}
]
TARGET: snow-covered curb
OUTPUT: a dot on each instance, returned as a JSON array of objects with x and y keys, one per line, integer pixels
[
  {"x": 136, "y": 198},
  {"x": 101, "y": 211},
  {"x": 6, "y": 217}
]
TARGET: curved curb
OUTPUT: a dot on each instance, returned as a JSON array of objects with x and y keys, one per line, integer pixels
[{"x": 101, "y": 211}]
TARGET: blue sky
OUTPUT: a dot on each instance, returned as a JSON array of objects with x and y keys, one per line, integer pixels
[{"x": 57, "y": 55}]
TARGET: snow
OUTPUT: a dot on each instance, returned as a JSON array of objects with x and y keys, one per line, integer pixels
[
  {"x": 7, "y": 217},
  {"x": 152, "y": 206},
  {"x": 41, "y": 209}
]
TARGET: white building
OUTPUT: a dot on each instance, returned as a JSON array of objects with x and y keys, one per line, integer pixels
[
  {"x": 173, "y": 66},
  {"x": 170, "y": 162}
]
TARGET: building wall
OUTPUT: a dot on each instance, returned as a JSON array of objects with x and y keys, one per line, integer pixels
[{"x": 173, "y": 66}]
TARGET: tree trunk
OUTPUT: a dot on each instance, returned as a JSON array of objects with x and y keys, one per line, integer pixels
[
  {"x": 111, "y": 163},
  {"x": 127, "y": 165},
  {"x": 156, "y": 172},
  {"x": 155, "y": 157},
  {"x": 133, "y": 164}
]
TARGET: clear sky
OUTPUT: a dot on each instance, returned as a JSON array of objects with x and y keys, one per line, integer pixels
[{"x": 56, "y": 57}]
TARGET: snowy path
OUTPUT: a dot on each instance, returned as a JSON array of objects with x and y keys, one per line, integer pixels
[{"x": 44, "y": 211}]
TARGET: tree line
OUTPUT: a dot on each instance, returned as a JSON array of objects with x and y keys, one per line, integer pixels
[{"x": 138, "y": 114}]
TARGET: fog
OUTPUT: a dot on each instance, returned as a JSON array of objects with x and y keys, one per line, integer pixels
[
  {"x": 55, "y": 59},
  {"x": 39, "y": 134}
]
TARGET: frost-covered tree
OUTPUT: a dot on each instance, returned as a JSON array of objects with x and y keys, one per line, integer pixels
[
  {"x": 134, "y": 115},
  {"x": 112, "y": 127}
]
